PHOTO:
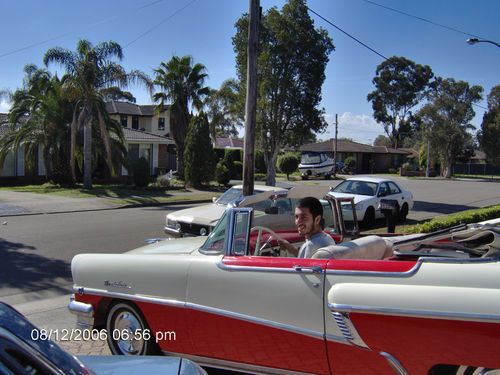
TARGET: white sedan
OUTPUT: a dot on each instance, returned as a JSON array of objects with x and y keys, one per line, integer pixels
[{"x": 367, "y": 193}]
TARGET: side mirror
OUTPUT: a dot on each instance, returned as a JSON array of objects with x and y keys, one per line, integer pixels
[{"x": 382, "y": 194}]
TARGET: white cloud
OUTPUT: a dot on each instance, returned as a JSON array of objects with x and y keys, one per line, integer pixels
[
  {"x": 4, "y": 106},
  {"x": 360, "y": 128}
]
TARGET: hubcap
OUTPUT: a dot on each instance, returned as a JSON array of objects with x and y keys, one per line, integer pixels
[{"x": 127, "y": 333}]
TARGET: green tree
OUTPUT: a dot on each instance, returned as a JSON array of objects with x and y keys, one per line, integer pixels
[
  {"x": 382, "y": 140},
  {"x": 291, "y": 70},
  {"x": 446, "y": 119},
  {"x": 199, "y": 156},
  {"x": 90, "y": 72},
  {"x": 223, "y": 111},
  {"x": 400, "y": 85},
  {"x": 288, "y": 163},
  {"x": 182, "y": 86},
  {"x": 40, "y": 117},
  {"x": 489, "y": 135}
]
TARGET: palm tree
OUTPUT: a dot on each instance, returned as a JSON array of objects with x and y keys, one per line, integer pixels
[
  {"x": 182, "y": 85},
  {"x": 90, "y": 72},
  {"x": 39, "y": 118}
]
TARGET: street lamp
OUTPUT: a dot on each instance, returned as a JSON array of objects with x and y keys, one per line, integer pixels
[{"x": 472, "y": 41}]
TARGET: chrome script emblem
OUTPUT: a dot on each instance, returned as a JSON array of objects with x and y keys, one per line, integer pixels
[{"x": 116, "y": 284}]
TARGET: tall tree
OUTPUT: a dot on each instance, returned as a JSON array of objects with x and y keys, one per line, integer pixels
[
  {"x": 446, "y": 119},
  {"x": 223, "y": 110},
  {"x": 90, "y": 72},
  {"x": 291, "y": 70},
  {"x": 382, "y": 140},
  {"x": 39, "y": 117},
  {"x": 400, "y": 85},
  {"x": 182, "y": 86},
  {"x": 199, "y": 153},
  {"x": 489, "y": 136}
]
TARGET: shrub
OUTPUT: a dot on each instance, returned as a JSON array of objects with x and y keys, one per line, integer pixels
[
  {"x": 199, "y": 154},
  {"x": 464, "y": 217},
  {"x": 237, "y": 172},
  {"x": 163, "y": 181},
  {"x": 230, "y": 157},
  {"x": 350, "y": 164},
  {"x": 142, "y": 175},
  {"x": 287, "y": 164},
  {"x": 222, "y": 174},
  {"x": 260, "y": 164}
]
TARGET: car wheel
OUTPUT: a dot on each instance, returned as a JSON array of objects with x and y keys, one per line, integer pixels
[
  {"x": 403, "y": 213},
  {"x": 128, "y": 332},
  {"x": 468, "y": 370},
  {"x": 369, "y": 218}
]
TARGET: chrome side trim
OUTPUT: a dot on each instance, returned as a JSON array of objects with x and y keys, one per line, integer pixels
[
  {"x": 208, "y": 309},
  {"x": 339, "y": 339},
  {"x": 428, "y": 314},
  {"x": 348, "y": 330},
  {"x": 235, "y": 366},
  {"x": 413, "y": 270},
  {"x": 294, "y": 268},
  {"x": 394, "y": 363}
]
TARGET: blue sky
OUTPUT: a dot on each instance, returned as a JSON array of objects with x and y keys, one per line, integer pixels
[{"x": 203, "y": 29}]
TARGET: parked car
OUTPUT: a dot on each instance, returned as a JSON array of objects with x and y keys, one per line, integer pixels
[
  {"x": 367, "y": 193},
  {"x": 26, "y": 349},
  {"x": 200, "y": 220},
  {"x": 317, "y": 164},
  {"x": 414, "y": 304}
]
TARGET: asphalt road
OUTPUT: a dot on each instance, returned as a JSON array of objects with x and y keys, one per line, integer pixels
[{"x": 36, "y": 251}]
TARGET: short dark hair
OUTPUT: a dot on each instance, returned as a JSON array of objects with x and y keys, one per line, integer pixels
[{"x": 313, "y": 204}]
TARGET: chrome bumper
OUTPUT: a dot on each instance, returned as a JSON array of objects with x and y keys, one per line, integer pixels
[
  {"x": 174, "y": 232},
  {"x": 84, "y": 313}
]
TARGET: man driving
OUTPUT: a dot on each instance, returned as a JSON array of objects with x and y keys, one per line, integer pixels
[{"x": 310, "y": 224}]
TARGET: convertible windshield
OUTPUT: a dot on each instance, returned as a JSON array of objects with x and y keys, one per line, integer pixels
[
  {"x": 357, "y": 187},
  {"x": 215, "y": 241}
]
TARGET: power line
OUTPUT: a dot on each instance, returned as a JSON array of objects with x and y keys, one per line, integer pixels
[
  {"x": 36, "y": 44},
  {"x": 346, "y": 33},
  {"x": 423, "y": 19},
  {"x": 159, "y": 23}
]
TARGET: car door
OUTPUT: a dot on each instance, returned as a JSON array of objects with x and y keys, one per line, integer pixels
[{"x": 257, "y": 313}]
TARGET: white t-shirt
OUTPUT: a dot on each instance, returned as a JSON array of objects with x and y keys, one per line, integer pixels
[{"x": 316, "y": 241}]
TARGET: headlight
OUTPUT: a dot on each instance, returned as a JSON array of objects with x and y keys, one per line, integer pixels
[
  {"x": 359, "y": 206},
  {"x": 203, "y": 231},
  {"x": 171, "y": 223}
]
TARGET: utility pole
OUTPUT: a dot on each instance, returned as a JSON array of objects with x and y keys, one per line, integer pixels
[
  {"x": 251, "y": 99},
  {"x": 335, "y": 149}
]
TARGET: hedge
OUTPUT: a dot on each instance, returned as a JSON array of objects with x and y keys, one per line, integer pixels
[{"x": 463, "y": 217}]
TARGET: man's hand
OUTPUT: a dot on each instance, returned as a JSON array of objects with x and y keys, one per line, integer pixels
[{"x": 285, "y": 245}]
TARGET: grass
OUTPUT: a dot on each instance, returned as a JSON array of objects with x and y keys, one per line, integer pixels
[{"x": 120, "y": 194}]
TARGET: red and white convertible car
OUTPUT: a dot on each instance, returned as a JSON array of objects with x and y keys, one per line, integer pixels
[{"x": 421, "y": 304}]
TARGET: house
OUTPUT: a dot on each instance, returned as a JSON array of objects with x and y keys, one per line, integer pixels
[
  {"x": 146, "y": 134},
  {"x": 369, "y": 159},
  {"x": 229, "y": 142}
]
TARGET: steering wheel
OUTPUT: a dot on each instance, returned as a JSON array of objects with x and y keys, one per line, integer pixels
[{"x": 260, "y": 229}]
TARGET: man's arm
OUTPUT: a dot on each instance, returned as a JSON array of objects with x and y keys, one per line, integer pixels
[{"x": 285, "y": 245}]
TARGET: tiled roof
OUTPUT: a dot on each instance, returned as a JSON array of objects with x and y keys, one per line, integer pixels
[
  {"x": 132, "y": 135},
  {"x": 127, "y": 108},
  {"x": 345, "y": 145},
  {"x": 478, "y": 155},
  {"x": 229, "y": 142}
]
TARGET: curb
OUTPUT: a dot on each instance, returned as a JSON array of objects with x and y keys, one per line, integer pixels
[{"x": 132, "y": 205}]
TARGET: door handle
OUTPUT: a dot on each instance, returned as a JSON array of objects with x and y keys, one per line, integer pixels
[{"x": 313, "y": 269}]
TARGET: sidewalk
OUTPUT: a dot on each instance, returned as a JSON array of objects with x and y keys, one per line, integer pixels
[{"x": 20, "y": 203}]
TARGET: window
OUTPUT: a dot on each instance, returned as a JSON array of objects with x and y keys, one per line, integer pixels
[
  {"x": 123, "y": 120},
  {"x": 394, "y": 189},
  {"x": 216, "y": 238},
  {"x": 161, "y": 123},
  {"x": 135, "y": 122}
]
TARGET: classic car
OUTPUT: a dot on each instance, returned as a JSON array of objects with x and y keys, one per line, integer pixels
[
  {"x": 416, "y": 304},
  {"x": 200, "y": 220},
  {"x": 367, "y": 193},
  {"x": 26, "y": 349}
]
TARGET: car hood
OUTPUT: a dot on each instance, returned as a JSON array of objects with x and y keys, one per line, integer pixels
[
  {"x": 205, "y": 214},
  {"x": 171, "y": 246},
  {"x": 124, "y": 365},
  {"x": 357, "y": 197}
]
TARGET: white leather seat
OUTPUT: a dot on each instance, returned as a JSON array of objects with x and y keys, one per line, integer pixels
[{"x": 369, "y": 247}]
